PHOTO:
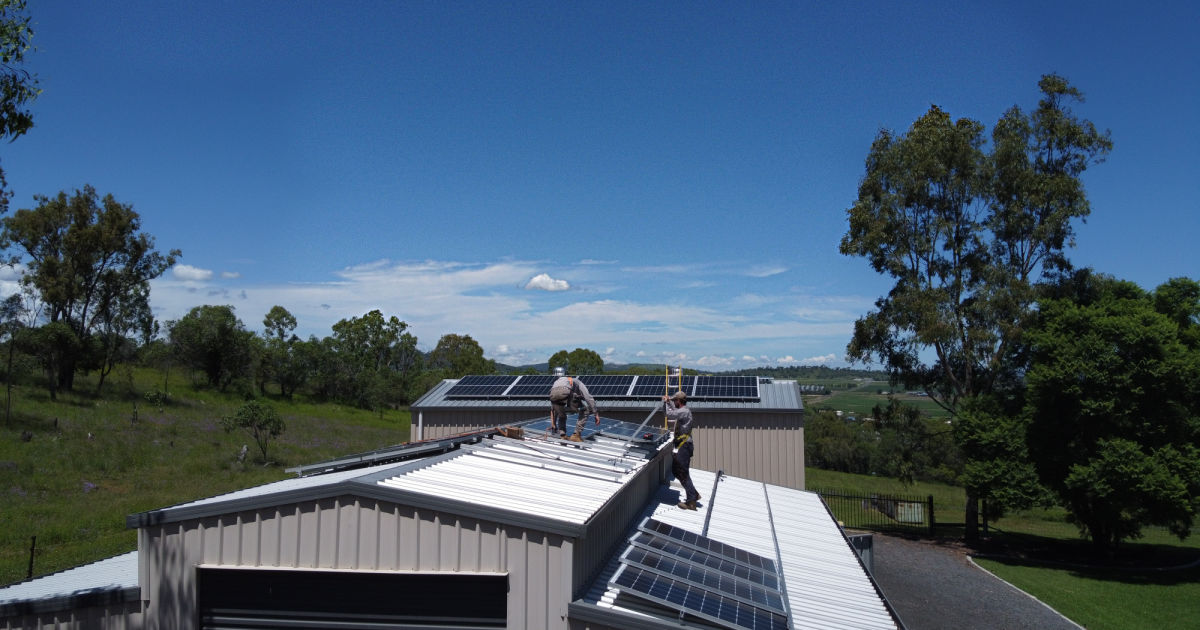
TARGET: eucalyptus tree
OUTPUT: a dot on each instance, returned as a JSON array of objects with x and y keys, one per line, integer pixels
[
  {"x": 213, "y": 340},
  {"x": 967, "y": 234},
  {"x": 18, "y": 87},
  {"x": 459, "y": 355},
  {"x": 88, "y": 261},
  {"x": 370, "y": 359},
  {"x": 577, "y": 361}
]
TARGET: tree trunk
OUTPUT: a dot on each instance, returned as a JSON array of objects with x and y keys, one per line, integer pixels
[{"x": 12, "y": 341}]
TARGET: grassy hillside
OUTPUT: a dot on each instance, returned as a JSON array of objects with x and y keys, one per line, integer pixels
[{"x": 71, "y": 470}]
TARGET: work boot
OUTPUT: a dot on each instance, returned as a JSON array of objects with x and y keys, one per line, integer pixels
[
  {"x": 575, "y": 437},
  {"x": 687, "y": 505}
]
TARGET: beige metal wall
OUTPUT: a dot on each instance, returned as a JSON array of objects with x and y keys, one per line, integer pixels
[
  {"x": 763, "y": 446},
  {"x": 767, "y": 447},
  {"x": 611, "y": 524},
  {"x": 352, "y": 534},
  {"x": 124, "y": 616}
]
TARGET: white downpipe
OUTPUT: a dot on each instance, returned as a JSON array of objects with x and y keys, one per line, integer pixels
[{"x": 420, "y": 425}]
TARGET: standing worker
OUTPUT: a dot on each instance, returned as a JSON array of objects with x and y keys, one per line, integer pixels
[
  {"x": 678, "y": 412},
  {"x": 565, "y": 395}
]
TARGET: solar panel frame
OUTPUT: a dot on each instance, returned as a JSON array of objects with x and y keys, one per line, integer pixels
[
  {"x": 481, "y": 386},
  {"x": 649, "y": 387},
  {"x": 726, "y": 387},
  {"x": 532, "y": 386},
  {"x": 708, "y": 579},
  {"x": 708, "y": 545},
  {"x": 691, "y": 555},
  {"x": 608, "y": 385},
  {"x": 694, "y": 600}
]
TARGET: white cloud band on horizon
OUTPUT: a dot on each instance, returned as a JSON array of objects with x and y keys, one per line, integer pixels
[{"x": 496, "y": 304}]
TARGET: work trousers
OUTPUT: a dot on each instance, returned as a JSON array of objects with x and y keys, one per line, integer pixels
[
  {"x": 681, "y": 467},
  {"x": 558, "y": 414}
]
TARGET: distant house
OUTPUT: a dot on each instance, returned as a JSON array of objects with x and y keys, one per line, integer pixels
[{"x": 496, "y": 528}]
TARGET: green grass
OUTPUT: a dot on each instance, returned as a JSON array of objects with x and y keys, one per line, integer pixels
[
  {"x": 1101, "y": 599},
  {"x": 948, "y": 501},
  {"x": 1039, "y": 552},
  {"x": 862, "y": 396},
  {"x": 73, "y": 491}
]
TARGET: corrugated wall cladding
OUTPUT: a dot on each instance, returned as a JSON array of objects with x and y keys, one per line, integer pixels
[
  {"x": 611, "y": 523},
  {"x": 348, "y": 533},
  {"x": 125, "y": 616},
  {"x": 763, "y": 446}
]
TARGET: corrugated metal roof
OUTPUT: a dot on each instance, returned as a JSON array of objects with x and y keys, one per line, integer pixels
[
  {"x": 825, "y": 584},
  {"x": 117, "y": 573},
  {"x": 496, "y": 478},
  {"x": 774, "y": 395}
]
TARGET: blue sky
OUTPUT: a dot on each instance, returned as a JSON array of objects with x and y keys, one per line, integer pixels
[{"x": 658, "y": 182}]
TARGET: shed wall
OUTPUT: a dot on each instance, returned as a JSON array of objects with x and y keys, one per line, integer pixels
[
  {"x": 122, "y": 616},
  {"x": 763, "y": 446},
  {"x": 349, "y": 533}
]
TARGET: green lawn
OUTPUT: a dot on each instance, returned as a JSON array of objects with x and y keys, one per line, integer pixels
[
  {"x": 1101, "y": 599},
  {"x": 1054, "y": 566}
]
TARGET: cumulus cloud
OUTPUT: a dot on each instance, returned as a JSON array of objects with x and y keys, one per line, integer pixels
[
  {"x": 543, "y": 282},
  {"x": 190, "y": 273},
  {"x": 230, "y": 275},
  {"x": 821, "y": 360}
]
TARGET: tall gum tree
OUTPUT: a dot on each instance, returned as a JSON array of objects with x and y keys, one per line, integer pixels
[
  {"x": 88, "y": 261},
  {"x": 967, "y": 234}
]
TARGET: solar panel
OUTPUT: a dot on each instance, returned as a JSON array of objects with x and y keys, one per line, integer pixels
[
  {"x": 736, "y": 387},
  {"x": 708, "y": 545},
  {"x": 477, "y": 386},
  {"x": 695, "y": 600},
  {"x": 532, "y": 386},
  {"x": 695, "y": 556},
  {"x": 652, "y": 386},
  {"x": 709, "y": 579},
  {"x": 607, "y": 385}
]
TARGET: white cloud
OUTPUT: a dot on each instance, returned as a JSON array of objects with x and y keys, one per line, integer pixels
[
  {"x": 190, "y": 273},
  {"x": 788, "y": 360},
  {"x": 230, "y": 275},
  {"x": 635, "y": 322},
  {"x": 765, "y": 271},
  {"x": 543, "y": 282},
  {"x": 821, "y": 360}
]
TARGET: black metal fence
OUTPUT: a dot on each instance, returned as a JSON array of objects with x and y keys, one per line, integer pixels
[{"x": 881, "y": 512}]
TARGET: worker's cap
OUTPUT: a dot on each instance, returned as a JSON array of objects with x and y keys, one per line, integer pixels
[{"x": 680, "y": 396}]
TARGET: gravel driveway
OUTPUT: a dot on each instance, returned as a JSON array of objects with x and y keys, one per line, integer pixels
[{"x": 934, "y": 586}]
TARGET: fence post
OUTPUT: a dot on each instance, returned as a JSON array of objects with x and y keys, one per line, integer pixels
[
  {"x": 32, "y": 548},
  {"x": 932, "y": 521}
]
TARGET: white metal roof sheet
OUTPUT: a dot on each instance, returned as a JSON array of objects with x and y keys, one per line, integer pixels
[
  {"x": 552, "y": 480},
  {"x": 117, "y": 572}
]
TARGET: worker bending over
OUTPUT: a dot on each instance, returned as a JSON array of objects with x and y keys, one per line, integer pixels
[{"x": 566, "y": 394}]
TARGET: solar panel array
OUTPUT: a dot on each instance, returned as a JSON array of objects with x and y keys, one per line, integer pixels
[
  {"x": 696, "y": 575},
  {"x": 607, "y": 387}
]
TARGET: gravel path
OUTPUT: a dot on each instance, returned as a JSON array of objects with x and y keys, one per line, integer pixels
[{"x": 935, "y": 586}]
